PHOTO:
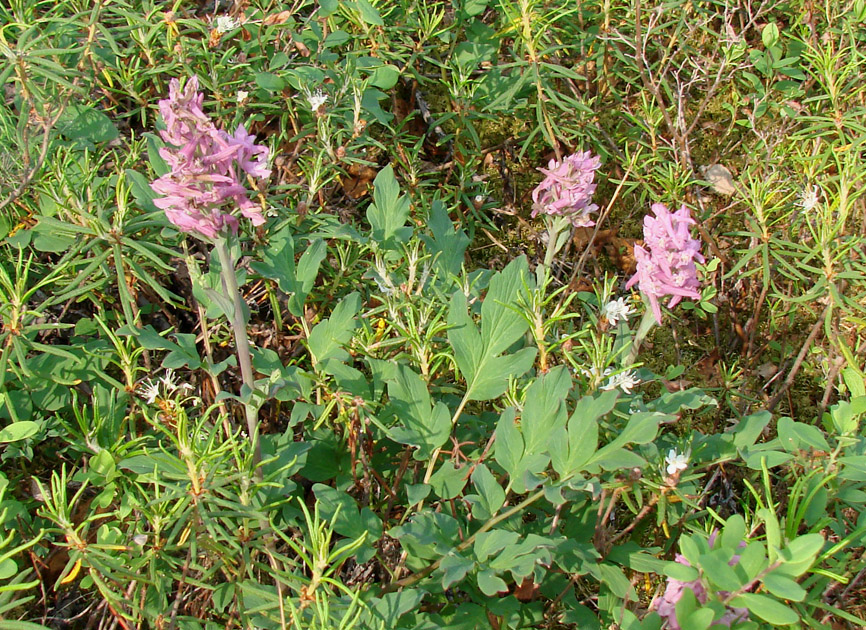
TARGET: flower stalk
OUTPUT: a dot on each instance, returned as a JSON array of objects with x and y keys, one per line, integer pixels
[{"x": 238, "y": 323}]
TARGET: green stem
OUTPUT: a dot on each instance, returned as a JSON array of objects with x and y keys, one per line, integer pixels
[
  {"x": 646, "y": 325},
  {"x": 242, "y": 344}
]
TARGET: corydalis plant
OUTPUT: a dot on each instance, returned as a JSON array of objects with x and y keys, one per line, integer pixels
[
  {"x": 201, "y": 192},
  {"x": 204, "y": 184},
  {"x": 564, "y": 197},
  {"x": 668, "y": 268},
  {"x": 567, "y": 189}
]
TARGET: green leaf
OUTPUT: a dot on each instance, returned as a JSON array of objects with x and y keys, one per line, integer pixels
[
  {"x": 420, "y": 423},
  {"x": 521, "y": 466},
  {"x": 347, "y": 520},
  {"x": 477, "y": 355},
  {"x": 18, "y": 431},
  {"x": 270, "y": 81},
  {"x": 753, "y": 559},
  {"x": 716, "y": 568},
  {"x": 569, "y": 451},
  {"x": 749, "y": 429},
  {"x": 492, "y": 542},
  {"x": 448, "y": 481},
  {"x": 766, "y": 608},
  {"x": 307, "y": 271},
  {"x": 329, "y": 336},
  {"x": 544, "y": 411},
  {"x": 509, "y": 442},
  {"x": 784, "y": 587},
  {"x": 734, "y": 531},
  {"x": 278, "y": 263},
  {"x": 454, "y": 568},
  {"x": 8, "y": 568},
  {"x": 699, "y": 619},
  {"x": 184, "y": 354},
  {"x": 799, "y": 556},
  {"x": 368, "y": 14},
  {"x": 770, "y": 34},
  {"x": 417, "y": 492},
  {"x": 490, "y": 497},
  {"x": 854, "y": 380},
  {"x": 681, "y": 572},
  {"x": 641, "y": 428},
  {"x": 427, "y": 535},
  {"x": 141, "y": 191},
  {"x": 385, "y": 77},
  {"x": 390, "y": 607},
  {"x": 82, "y": 122},
  {"x": 389, "y": 211},
  {"x": 446, "y": 244},
  {"x": 491, "y": 584}
]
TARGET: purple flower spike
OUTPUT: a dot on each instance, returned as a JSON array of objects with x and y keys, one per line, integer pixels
[
  {"x": 668, "y": 268},
  {"x": 207, "y": 167},
  {"x": 567, "y": 189}
]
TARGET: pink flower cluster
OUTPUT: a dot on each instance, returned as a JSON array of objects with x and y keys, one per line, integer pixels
[
  {"x": 567, "y": 189},
  {"x": 668, "y": 268},
  {"x": 667, "y": 604},
  {"x": 206, "y": 166}
]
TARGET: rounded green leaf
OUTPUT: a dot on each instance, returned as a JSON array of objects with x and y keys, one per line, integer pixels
[
  {"x": 19, "y": 431},
  {"x": 767, "y": 608},
  {"x": 784, "y": 587},
  {"x": 8, "y": 568}
]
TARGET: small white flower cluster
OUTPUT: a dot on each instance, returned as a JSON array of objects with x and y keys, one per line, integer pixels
[
  {"x": 317, "y": 100},
  {"x": 166, "y": 386},
  {"x": 624, "y": 380},
  {"x": 225, "y": 23},
  {"x": 677, "y": 462},
  {"x": 617, "y": 310},
  {"x": 808, "y": 198}
]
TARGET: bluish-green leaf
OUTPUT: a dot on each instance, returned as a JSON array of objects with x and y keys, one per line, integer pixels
[
  {"x": 767, "y": 608},
  {"x": 419, "y": 422},
  {"x": 477, "y": 354},
  {"x": 544, "y": 411},
  {"x": 389, "y": 211},
  {"x": 571, "y": 449},
  {"x": 490, "y": 494},
  {"x": 18, "y": 431},
  {"x": 784, "y": 587},
  {"x": 329, "y": 336},
  {"x": 449, "y": 480},
  {"x": 491, "y": 584}
]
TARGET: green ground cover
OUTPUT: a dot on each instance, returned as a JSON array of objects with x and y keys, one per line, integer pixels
[{"x": 351, "y": 372}]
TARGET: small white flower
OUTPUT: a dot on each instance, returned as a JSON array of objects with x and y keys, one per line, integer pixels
[
  {"x": 616, "y": 310},
  {"x": 317, "y": 100},
  {"x": 225, "y": 23},
  {"x": 677, "y": 462},
  {"x": 168, "y": 381},
  {"x": 140, "y": 539},
  {"x": 593, "y": 374},
  {"x": 243, "y": 95},
  {"x": 808, "y": 198},
  {"x": 149, "y": 391},
  {"x": 624, "y": 380}
]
